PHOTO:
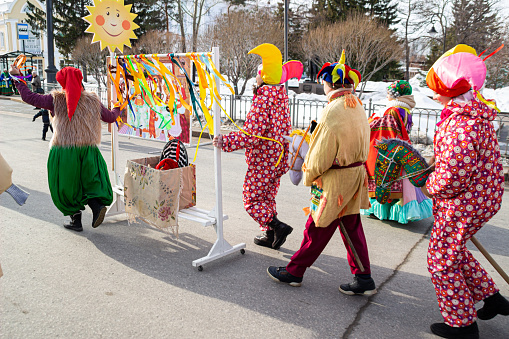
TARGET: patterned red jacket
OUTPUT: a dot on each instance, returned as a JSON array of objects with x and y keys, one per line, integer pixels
[
  {"x": 269, "y": 117},
  {"x": 468, "y": 177}
]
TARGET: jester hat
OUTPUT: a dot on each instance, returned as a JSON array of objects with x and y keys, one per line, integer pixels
[
  {"x": 456, "y": 72},
  {"x": 70, "y": 79},
  {"x": 273, "y": 71},
  {"x": 339, "y": 72}
]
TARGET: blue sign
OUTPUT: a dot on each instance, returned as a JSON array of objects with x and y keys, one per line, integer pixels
[{"x": 23, "y": 31}]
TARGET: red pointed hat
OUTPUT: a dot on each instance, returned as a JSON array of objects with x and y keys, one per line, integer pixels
[{"x": 70, "y": 79}]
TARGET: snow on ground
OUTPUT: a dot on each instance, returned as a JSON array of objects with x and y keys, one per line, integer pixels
[{"x": 500, "y": 95}]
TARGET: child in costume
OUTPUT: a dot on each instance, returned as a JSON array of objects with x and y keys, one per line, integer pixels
[
  {"x": 407, "y": 202},
  {"x": 467, "y": 187},
  {"x": 268, "y": 118},
  {"x": 45, "y": 120},
  {"x": 77, "y": 172},
  {"x": 334, "y": 168}
]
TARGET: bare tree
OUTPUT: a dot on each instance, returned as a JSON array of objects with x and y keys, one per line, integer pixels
[
  {"x": 236, "y": 34},
  {"x": 476, "y": 23},
  {"x": 192, "y": 10},
  {"x": 92, "y": 57},
  {"x": 155, "y": 42},
  {"x": 415, "y": 19},
  {"x": 369, "y": 45},
  {"x": 437, "y": 14}
]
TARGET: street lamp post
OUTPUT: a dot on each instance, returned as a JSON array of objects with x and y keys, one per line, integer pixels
[
  {"x": 433, "y": 32},
  {"x": 51, "y": 70}
]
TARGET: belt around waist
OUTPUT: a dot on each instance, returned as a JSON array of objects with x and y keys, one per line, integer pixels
[{"x": 355, "y": 164}]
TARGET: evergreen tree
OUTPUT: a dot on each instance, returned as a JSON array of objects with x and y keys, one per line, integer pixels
[
  {"x": 333, "y": 10},
  {"x": 336, "y": 10},
  {"x": 296, "y": 30},
  {"x": 68, "y": 25},
  {"x": 390, "y": 72},
  {"x": 316, "y": 13},
  {"x": 149, "y": 18},
  {"x": 386, "y": 12},
  {"x": 475, "y": 23}
]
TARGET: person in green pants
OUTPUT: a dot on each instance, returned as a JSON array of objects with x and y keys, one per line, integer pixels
[{"x": 77, "y": 173}]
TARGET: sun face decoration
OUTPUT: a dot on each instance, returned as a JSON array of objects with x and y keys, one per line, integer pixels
[{"x": 112, "y": 24}]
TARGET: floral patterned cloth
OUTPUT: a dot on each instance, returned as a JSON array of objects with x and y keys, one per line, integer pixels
[
  {"x": 467, "y": 188},
  {"x": 156, "y": 196},
  {"x": 269, "y": 117}
]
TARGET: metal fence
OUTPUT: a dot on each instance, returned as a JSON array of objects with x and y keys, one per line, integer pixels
[
  {"x": 303, "y": 111},
  {"x": 101, "y": 91}
]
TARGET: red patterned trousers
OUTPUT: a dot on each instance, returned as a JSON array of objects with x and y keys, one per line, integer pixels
[
  {"x": 459, "y": 279},
  {"x": 259, "y": 193}
]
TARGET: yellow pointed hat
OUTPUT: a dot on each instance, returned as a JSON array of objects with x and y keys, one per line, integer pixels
[{"x": 272, "y": 62}]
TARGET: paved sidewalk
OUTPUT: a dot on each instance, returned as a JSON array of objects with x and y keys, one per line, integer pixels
[{"x": 126, "y": 280}]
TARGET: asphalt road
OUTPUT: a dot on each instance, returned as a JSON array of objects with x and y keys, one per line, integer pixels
[{"x": 126, "y": 280}]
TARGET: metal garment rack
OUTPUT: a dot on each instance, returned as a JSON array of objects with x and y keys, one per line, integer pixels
[{"x": 215, "y": 217}]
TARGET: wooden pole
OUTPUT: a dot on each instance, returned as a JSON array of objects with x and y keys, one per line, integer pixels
[
  {"x": 490, "y": 259},
  {"x": 350, "y": 244}
]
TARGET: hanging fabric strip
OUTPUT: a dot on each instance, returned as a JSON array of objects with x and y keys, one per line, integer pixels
[
  {"x": 127, "y": 87},
  {"x": 191, "y": 88},
  {"x": 218, "y": 100},
  {"x": 203, "y": 85}
]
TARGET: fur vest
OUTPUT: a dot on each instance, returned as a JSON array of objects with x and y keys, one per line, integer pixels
[{"x": 84, "y": 129}]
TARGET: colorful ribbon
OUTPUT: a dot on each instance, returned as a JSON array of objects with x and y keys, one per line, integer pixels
[{"x": 145, "y": 69}]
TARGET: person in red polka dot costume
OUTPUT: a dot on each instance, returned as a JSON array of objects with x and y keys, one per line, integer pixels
[
  {"x": 269, "y": 117},
  {"x": 467, "y": 187}
]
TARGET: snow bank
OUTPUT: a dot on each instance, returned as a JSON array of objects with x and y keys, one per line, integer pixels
[{"x": 377, "y": 92}]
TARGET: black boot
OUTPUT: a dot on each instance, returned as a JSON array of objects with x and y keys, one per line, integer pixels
[
  {"x": 265, "y": 239},
  {"x": 98, "y": 212},
  {"x": 360, "y": 285},
  {"x": 281, "y": 231},
  {"x": 496, "y": 304},
  {"x": 446, "y": 331},
  {"x": 75, "y": 223}
]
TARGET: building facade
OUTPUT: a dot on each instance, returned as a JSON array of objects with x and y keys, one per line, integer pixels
[{"x": 16, "y": 35}]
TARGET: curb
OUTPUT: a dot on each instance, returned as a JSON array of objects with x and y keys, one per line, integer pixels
[{"x": 15, "y": 98}]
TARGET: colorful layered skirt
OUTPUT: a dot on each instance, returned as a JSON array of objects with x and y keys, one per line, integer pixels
[{"x": 413, "y": 206}]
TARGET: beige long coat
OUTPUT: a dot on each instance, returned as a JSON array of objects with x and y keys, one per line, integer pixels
[
  {"x": 5, "y": 175},
  {"x": 342, "y": 138}
]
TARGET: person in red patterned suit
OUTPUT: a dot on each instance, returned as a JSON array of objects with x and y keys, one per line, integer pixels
[
  {"x": 268, "y": 118},
  {"x": 467, "y": 187}
]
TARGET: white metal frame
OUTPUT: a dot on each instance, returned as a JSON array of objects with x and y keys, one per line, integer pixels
[{"x": 215, "y": 217}]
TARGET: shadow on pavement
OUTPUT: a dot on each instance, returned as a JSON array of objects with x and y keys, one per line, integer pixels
[{"x": 242, "y": 280}]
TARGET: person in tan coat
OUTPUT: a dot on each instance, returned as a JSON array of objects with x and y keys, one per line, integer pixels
[{"x": 335, "y": 169}]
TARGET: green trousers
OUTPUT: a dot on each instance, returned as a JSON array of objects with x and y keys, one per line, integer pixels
[{"x": 77, "y": 174}]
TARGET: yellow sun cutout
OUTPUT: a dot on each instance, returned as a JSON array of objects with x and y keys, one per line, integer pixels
[{"x": 112, "y": 24}]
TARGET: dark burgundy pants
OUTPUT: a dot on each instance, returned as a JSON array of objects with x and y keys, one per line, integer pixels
[{"x": 316, "y": 238}]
